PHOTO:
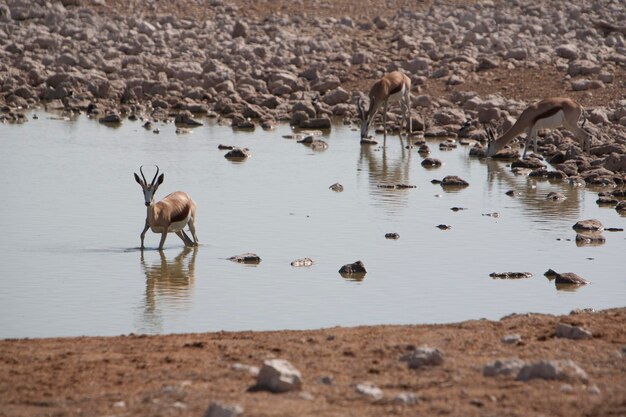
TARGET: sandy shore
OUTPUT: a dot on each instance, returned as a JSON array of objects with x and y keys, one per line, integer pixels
[{"x": 183, "y": 374}]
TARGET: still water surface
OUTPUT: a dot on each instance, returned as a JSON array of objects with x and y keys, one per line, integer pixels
[{"x": 71, "y": 215}]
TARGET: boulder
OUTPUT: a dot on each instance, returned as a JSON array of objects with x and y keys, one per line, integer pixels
[
  {"x": 453, "y": 181},
  {"x": 423, "y": 356},
  {"x": 278, "y": 375},
  {"x": 353, "y": 268},
  {"x": 237, "y": 154},
  {"x": 569, "y": 278},
  {"x": 567, "y": 51},
  {"x": 568, "y": 331},
  {"x": 336, "y": 96},
  {"x": 507, "y": 367},
  {"x": 552, "y": 369},
  {"x": 591, "y": 225},
  {"x": 430, "y": 162}
]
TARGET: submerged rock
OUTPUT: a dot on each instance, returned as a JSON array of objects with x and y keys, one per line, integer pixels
[
  {"x": 368, "y": 141},
  {"x": 555, "y": 196},
  {"x": 302, "y": 262},
  {"x": 570, "y": 278},
  {"x": 185, "y": 118},
  {"x": 444, "y": 227},
  {"x": 246, "y": 258},
  {"x": 336, "y": 187},
  {"x": 431, "y": 163},
  {"x": 591, "y": 225},
  {"x": 353, "y": 268},
  {"x": 392, "y": 236},
  {"x": 453, "y": 181},
  {"x": 510, "y": 275},
  {"x": 237, "y": 153},
  {"x": 590, "y": 238}
]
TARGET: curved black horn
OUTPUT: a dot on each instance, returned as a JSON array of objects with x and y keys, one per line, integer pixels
[
  {"x": 142, "y": 176},
  {"x": 155, "y": 175}
]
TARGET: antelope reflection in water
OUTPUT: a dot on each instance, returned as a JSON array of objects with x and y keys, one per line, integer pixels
[
  {"x": 168, "y": 281},
  {"x": 385, "y": 169},
  {"x": 533, "y": 199}
]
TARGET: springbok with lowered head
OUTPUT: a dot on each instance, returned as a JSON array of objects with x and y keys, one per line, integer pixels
[
  {"x": 394, "y": 86},
  {"x": 550, "y": 113},
  {"x": 169, "y": 215}
]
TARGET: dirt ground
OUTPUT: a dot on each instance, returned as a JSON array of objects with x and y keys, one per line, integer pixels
[{"x": 182, "y": 374}]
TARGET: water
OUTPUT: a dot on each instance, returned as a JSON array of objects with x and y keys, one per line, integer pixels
[{"x": 71, "y": 216}]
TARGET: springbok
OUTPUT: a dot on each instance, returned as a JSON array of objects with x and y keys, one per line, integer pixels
[
  {"x": 171, "y": 214},
  {"x": 394, "y": 86},
  {"x": 550, "y": 113}
]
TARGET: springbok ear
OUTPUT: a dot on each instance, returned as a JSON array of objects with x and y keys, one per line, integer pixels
[
  {"x": 160, "y": 180},
  {"x": 138, "y": 179}
]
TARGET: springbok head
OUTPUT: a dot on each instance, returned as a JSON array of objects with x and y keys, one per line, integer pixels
[
  {"x": 365, "y": 123},
  {"x": 149, "y": 190}
]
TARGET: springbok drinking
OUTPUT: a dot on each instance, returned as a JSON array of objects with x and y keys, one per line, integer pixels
[{"x": 169, "y": 215}]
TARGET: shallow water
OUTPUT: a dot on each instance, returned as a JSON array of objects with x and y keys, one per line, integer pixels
[{"x": 72, "y": 214}]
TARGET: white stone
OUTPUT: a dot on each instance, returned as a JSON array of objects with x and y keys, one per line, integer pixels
[
  {"x": 405, "y": 398},
  {"x": 278, "y": 375},
  {"x": 369, "y": 390},
  {"x": 222, "y": 410},
  {"x": 511, "y": 339}
]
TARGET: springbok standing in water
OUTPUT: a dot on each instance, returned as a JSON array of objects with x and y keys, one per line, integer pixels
[
  {"x": 394, "y": 86},
  {"x": 169, "y": 215},
  {"x": 550, "y": 113}
]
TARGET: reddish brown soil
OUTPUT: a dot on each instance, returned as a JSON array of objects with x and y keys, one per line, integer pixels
[{"x": 182, "y": 374}]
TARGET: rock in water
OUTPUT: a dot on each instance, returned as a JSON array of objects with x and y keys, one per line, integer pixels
[
  {"x": 353, "y": 268},
  {"x": 302, "y": 262},
  {"x": 510, "y": 275},
  {"x": 246, "y": 258},
  {"x": 569, "y": 278},
  {"x": 453, "y": 181},
  {"x": 591, "y": 225}
]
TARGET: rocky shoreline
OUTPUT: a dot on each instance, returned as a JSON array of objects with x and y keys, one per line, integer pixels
[{"x": 143, "y": 60}]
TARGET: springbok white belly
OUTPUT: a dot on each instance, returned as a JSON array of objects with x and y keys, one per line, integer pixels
[
  {"x": 552, "y": 122},
  {"x": 397, "y": 96},
  {"x": 174, "y": 227}
]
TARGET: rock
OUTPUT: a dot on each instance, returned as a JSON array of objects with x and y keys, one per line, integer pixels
[
  {"x": 506, "y": 153},
  {"x": 453, "y": 181},
  {"x": 585, "y": 84},
  {"x": 238, "y": 153},
  {"x": 302, "y": 262},
  {"x": 550, "y": 274},
  {"x": 240, "y": 30},
  {"x": 567, "y": 51},
  {"x": 511, "y": 339},
  {"x": 513, "y": 193},
  {"x": 555, "y": 196},
  {"x": 507, "y": 367},
  {"x": 353, "y": 268},
  {"x": 250, "y": 369},
  {"x": 380, "y": 22},
  {"x": 621, "y": 207},
  {"x": 318, "y": 123},
  {"x": 424, "y": 149},
  {"x": 369, "y": 390},
  {"x": 607, "y": 201},
  {"x": 552, "y": 369},
  {"x": 336, "y": 96},
  {"x": 394, "y": 236},
  {"x": 510, "y": 275},
  {"x": 423, "y": 356},
  {"x": 111, "y": 118},
  {"x": 246, "y": 258},
  {"x": 431, "y": 162},
  {"x": 444, "y": 227},
  {"x": 450, "y": 116},
  {"x": 223, "y": 410},
  {"x": 583, "y": 67},
  {"x": 185, "y": 118},
  {"x": 368, "y": 141},
  {"x": 590, "y": 238},
  {"x": 568, "y": 331},
  {"x": 486, "y": 63},
  {"x": 336, "y": 187},
  {"x": 405, "y": 398},
  {"x": 591, "y": 225},
  {"x": 225, "y": 147},
  {"x": 569, "y": 278},
  {"x": 278, "y": 375}
]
